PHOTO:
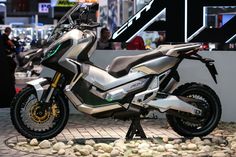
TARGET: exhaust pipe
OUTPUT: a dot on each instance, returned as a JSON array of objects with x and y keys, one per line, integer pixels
[{"x": 176, "y": 103}]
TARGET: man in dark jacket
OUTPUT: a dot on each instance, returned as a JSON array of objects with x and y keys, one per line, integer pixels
[{"x": 7, "y": 69}]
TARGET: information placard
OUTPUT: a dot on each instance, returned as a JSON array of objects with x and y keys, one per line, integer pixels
[{"x": 44, "y": 7}]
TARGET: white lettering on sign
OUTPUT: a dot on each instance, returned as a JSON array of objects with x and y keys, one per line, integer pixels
[
  {"x": 44, "y": 7},
  {"x": 130, "y": 22}
]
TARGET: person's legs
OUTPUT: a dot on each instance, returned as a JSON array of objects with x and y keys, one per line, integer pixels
[{"x": 8, "y": 83}]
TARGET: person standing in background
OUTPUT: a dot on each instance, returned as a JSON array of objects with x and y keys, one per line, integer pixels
[
  {"x": 103, "y": 42},
  {"x": 136, "y": 44},
  {"x": 8, "y": 65},
  {"x": 161, "y": 40}
]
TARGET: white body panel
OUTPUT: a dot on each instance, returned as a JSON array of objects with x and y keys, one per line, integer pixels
[{"x": 105, "y": 81}]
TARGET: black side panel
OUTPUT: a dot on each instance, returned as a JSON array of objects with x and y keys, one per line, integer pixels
[
  {"x": 52, "y": 61},
  {"x": 108, "y": 114},
  {"x": 173, "y": 74}
]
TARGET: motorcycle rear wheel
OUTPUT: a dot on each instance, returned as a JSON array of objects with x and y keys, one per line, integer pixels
[
  {"x": 32, "y": 122},
  {"x": 202, "y": 125}
]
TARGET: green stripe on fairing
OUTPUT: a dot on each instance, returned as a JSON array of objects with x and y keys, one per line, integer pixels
[{"x": 55, "y": 51}]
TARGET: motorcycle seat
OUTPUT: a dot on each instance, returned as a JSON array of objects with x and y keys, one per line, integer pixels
[{"x": 121, "y": 66}]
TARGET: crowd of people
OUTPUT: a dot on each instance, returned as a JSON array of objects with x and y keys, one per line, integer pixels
[{"x": 137, "y": 43}]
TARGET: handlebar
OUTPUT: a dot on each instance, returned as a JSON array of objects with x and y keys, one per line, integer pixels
[{"x": 90, "y": 26}]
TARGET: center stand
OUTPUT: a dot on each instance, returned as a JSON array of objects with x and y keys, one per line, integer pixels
[{"x": 135, "y": 129}]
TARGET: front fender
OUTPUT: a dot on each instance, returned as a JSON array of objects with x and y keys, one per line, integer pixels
[{"x": 40, "y": 85}]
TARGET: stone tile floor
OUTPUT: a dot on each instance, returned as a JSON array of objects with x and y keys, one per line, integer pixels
[{"x": 80, "y": 127}]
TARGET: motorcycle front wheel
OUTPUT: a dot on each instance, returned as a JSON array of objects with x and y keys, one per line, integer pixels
[
  {"x": 198, "y": 126},
  {"x": 31, "y": 121}
]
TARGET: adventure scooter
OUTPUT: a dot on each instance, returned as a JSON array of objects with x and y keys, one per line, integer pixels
[{"x": 132, "y": 86}]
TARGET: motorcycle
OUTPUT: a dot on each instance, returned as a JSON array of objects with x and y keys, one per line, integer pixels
[
  {"x": 129, "y": 89},
  {"x": 26, "y": 60}
]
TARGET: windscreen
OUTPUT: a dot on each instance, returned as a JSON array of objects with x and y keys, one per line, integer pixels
[
  {"x": 65, "y": 21},
  {"x": 72, "y": 18}
]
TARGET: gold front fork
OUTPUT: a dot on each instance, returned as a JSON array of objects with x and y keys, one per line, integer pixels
[
  {"x": 54, "y": 84},
  {"x": 56, "y": 80}
]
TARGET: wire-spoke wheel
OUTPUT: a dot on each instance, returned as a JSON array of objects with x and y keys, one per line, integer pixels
[{"x": 33, "y": 120}]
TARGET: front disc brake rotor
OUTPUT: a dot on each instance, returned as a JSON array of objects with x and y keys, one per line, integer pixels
[
  {"x": 36, "y": 119},
  {"x": 38, "y": 115}
]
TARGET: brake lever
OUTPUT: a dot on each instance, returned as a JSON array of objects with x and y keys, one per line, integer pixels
[
  {"x": 90, "y": 26},
  {"x": 94, "y": 25}
]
